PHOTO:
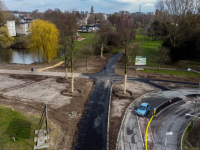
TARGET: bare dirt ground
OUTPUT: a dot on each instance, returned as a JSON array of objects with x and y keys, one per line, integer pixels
[{"x": 29, "y": 93}]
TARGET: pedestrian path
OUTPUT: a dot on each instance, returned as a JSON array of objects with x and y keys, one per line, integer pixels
[
  {"x": 130, "y": 134},
  {"x": 58, "y": 64},
  {"x": 45, "y": 73}
]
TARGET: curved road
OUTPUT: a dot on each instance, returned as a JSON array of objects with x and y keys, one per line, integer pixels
[{"x": 93, "y": 130}]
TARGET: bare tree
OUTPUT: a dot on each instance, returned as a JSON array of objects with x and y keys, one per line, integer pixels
[
  {"x": 100, "y": 17},
  {"x": 35, "y": 14},
  {"x": 87, "y": 51},
  {"x": 134, "y": 50},
  {"x": 70, "y": 36},
  {"x": 91, "y": 19},
  {"x": 125, "y": 29},
  {"x": 102, "y": 35}
]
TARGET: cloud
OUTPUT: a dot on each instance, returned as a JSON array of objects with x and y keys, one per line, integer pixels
[{"x": 149, "y": 4}]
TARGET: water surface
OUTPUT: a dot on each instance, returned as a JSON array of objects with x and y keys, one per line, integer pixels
[{"x": 20, "y": 56}]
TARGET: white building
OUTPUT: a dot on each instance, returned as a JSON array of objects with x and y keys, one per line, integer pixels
[
  {"x": 11, "y": 28},
  {"x": 22, "y": 29},
  {"x": 105, "y": 17}
]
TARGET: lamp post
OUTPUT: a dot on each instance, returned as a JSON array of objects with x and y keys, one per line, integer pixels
[{"x": 197, "y": 97}]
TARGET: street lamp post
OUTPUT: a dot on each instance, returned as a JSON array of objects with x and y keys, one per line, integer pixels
[{"x": 196, "y": 99}]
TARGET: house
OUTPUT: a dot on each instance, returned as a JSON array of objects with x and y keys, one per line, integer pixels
[
  {"x": 88, "y": 29},
  {"x": 22, "y": 29},
  {"x": 11, "y": 27},
  {"x": 25, "y": 19}
]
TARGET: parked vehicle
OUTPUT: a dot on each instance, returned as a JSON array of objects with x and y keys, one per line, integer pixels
[{"x": 143, "y": 109}]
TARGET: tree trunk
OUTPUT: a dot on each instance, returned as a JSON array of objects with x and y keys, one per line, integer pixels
[
  {"x": 86, "y": 65},
  {"x": 66, "y": 70},
  {"x": 72, "y": 72},
  {"x": 102, "y": 49},
  {"x": 72, "y": 82},
  {"x": 126, "y": 69},
  {"x": 125, "y": 78}
]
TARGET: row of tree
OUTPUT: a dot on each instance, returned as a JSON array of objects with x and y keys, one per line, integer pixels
[{"x": 106, "y": 38}]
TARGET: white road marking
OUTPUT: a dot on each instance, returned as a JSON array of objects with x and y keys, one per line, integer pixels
[
  {"x": 169, "y": 133},
  {"x": 166, "y": 141},
  {"x": 106, "y": 84}
]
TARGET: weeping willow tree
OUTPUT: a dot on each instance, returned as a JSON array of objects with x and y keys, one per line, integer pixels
[
  {"x": 44, "y": 39},
  {"x": 5, "y": 38}
]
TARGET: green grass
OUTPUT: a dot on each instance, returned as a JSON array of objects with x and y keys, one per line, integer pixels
[
  {"x": 172, "y": 72},
  {"x": 89, "y": 39},
  {"x": 15, "y": 124},
  {"x": 140, "y": 38},
  {"x": 149, "y": 46}
]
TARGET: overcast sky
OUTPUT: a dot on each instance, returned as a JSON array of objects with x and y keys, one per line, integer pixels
[{"x": 104, "y": 6}]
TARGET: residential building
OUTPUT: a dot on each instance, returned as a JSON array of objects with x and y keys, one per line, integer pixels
[
  {"x": 93, "y": 28},
  {"x": 11, "y": 27},
  {"x": 105, "y": 17},
  {"x": 22, "y": 29},
  {"x": 25, "y": 19}
]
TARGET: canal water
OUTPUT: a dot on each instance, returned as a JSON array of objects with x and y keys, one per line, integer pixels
[{"x": 20, "y": 56}]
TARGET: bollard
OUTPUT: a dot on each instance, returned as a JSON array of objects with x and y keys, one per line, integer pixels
[{"x": 154, "y": 112}]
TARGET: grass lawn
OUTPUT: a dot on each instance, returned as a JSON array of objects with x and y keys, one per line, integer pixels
[
  {"x": 89, "y": 39},
  {"x": 140, "y": 38},
  {"x": 14, "y": 124},
  {"x": 149, "y": 46},
  {"x": 172, "y": 72}
]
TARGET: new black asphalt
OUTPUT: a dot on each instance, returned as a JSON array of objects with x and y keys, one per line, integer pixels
[{"x": 93, "y": 129}]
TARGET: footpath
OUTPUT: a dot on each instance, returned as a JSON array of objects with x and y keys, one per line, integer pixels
[
  {"x": 40, "y": 71},
  {"x": 44, "y": 73}
]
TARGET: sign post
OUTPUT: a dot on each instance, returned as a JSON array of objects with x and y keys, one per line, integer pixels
[{"x": 140, "y": 61}]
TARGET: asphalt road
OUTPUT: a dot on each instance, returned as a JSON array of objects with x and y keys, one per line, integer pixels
[
  {"x": 166, "y": 127},
  {"x": 92, "y": 133}
]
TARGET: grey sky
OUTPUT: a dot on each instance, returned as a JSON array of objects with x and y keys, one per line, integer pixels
[{"x": 104, "y": 6}]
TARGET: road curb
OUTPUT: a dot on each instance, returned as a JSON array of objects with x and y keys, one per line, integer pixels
[{"x": 108, "y": 126}]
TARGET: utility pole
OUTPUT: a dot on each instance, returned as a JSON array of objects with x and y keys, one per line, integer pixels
[{"x": 139, "y": 9}]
